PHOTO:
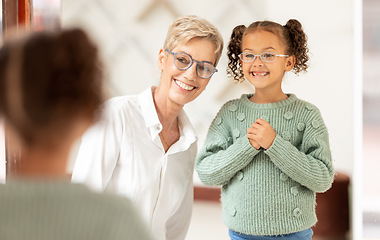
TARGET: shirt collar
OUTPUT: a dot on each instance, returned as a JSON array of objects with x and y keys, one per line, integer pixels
[
  {"x": 148, "y": 109},
  {"x": 152, "y": 121}
]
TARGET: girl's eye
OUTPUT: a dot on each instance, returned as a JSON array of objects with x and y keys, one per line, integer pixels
[
  {"x": 268, "y": 55},
  {"x": 249, "y": 55}
]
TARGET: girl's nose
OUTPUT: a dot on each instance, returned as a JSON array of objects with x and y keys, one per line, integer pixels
[{"x": 257, "y": 62}]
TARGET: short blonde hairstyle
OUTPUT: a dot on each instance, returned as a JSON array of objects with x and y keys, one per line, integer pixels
[{"x": 183, "y": 29}]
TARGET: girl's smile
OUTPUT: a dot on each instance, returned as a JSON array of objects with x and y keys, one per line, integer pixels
[{"x": 259, "y": 74}]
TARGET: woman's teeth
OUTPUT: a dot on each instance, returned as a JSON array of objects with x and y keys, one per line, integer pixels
[{"x": 184, "y": 86}]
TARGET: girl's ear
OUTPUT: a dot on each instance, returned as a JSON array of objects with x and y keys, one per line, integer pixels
[
  {"x": 161, "y": 60},
  {"x": 290, "y": 61}
]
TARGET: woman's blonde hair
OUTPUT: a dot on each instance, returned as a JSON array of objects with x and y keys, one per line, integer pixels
[{"x": 183, "y": 29}]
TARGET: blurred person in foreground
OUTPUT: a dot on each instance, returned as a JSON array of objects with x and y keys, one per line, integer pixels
[
  {"x": 51, "y": 86},
  {"x": 146, "y": 147}
]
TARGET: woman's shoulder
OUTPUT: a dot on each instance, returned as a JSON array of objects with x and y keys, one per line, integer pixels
[
  {"x": 120, "y": 107},
  {"x": 120, "y": 102}
]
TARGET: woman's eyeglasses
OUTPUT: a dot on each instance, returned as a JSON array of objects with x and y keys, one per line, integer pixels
[{"x": 184, "y": 61}]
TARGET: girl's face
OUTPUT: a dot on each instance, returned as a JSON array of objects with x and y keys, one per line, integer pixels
[
  {"x": 183, "y": 86},
  {"x": 265, "y": 75}
]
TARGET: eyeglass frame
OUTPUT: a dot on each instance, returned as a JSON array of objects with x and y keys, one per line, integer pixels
[
  {"x": 191, "y": 64},
  {"x": 276, "y": 55}
]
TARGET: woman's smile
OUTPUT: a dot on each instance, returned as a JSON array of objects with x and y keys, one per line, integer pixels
[{"x": 184, "y": 86}]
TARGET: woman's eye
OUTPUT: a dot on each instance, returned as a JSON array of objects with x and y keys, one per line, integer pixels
[
  {"x": 205, "y": 68},
  {"x": 183, "y": 60}
]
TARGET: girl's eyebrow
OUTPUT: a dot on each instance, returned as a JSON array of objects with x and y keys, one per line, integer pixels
[{"x": 264, "y": 49}]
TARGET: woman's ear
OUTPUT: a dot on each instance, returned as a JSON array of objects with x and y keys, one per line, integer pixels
[
  {"x": 161, "y": 60},
  {"x": 290, "y": 61}
]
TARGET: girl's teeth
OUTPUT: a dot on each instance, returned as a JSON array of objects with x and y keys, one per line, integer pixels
[
  {"x": 259, "y": 74},
  {"x": 184, "y": 86}
]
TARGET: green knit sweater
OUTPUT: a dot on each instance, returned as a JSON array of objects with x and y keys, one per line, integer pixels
[{"x": 268, "y": 192}]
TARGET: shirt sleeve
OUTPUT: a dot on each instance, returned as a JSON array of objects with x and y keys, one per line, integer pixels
[
  {"x": 223, "y": 154},
  {"x": 99, "y": 151},
  {"x": 311, "y": 163}
]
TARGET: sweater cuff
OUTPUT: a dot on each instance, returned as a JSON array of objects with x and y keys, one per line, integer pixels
[{"x": 279, "y": 147}]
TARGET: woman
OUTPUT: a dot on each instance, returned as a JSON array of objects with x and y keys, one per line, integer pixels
[
  {"x": 146, "y": 147},
  {"x": 50, "y": 89}
]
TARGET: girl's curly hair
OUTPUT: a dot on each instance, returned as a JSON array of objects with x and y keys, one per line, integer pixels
[{"x": 291, "y": 34}]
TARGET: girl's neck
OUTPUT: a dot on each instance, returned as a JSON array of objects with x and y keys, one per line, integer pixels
[{"x": 263, "y": 97}]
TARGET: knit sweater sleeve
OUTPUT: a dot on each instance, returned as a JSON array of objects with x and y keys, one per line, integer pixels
[
  {"x": 221, "y": 157},
  {"x": 310, "y": 163}
]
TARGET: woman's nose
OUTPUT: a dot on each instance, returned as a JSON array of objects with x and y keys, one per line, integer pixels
[{"x": 191, "y": 72}]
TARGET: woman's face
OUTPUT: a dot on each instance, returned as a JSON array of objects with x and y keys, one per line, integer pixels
[{"x": 183, "y": 86}]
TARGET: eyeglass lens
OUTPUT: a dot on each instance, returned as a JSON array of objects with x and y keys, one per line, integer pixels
[
  {"x": 265, "y": 57},
  {"x": 183, "y": 61}
]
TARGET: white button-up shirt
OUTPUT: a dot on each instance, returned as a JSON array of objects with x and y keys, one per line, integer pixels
[{"x": 123, "y": 154}]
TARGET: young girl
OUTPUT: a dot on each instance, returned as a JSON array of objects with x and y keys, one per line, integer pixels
[{"x": 269, "y": 150}]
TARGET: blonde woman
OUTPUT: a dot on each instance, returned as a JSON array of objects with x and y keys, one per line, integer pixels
[{"x": 145, "y": 149}]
